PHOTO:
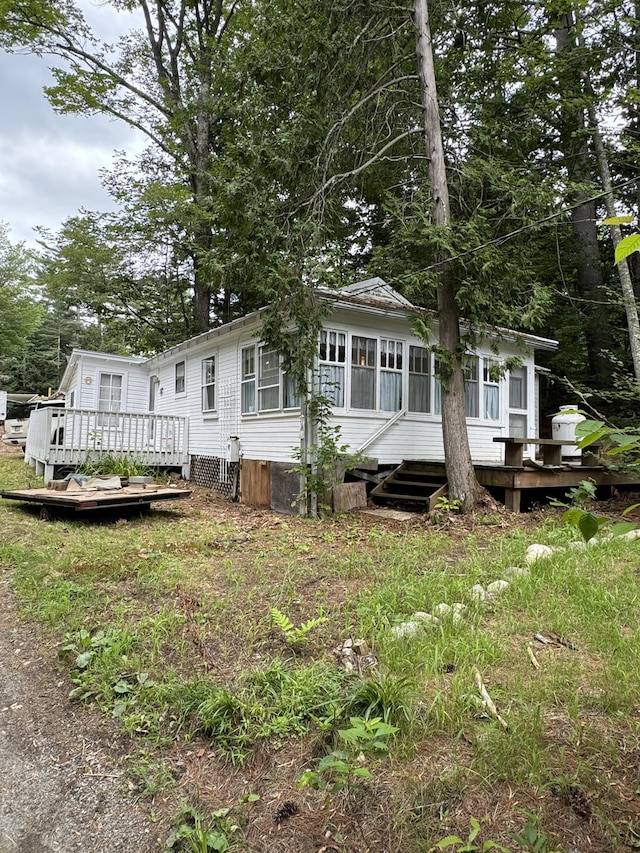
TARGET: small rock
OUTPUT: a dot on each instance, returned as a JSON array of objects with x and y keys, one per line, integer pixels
[
  {"x": 421, "y": 616},
  {"x": 517, "y": 572},
  {"x": 442, "y": 609},
  {"x": 459, "y": 610},
  {"x": 632, "y": 534},
  {"x": 348, "y": 643},
  {"x": 360, "y": 647},
  {"x": 538, "y": 552},
  {"x": 497, "y": 587},
  {"x": 477, "y": 593},
  {"x": 405, "y": 629}
]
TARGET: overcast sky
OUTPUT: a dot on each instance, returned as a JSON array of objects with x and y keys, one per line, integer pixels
[{"x": 49, "y": 163}]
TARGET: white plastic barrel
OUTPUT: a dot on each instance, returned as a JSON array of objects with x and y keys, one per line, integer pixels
[{"x": 563, "y": 428}]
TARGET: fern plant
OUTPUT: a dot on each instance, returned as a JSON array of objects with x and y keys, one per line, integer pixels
[{"x": 294, "y": 636}]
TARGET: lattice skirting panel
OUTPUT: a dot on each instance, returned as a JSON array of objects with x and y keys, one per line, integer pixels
[{"x": 217, "y": 474}]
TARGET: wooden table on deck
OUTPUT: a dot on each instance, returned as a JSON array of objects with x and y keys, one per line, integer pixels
[{"x": 514, "y": 449}]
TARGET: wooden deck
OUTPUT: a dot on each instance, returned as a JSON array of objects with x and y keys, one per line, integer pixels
[
  {"x": 66, "y": 438},
  {"x": 512, "y": 484}
]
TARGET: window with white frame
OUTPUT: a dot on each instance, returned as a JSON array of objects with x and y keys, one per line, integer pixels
[
  {"x": 471, "y": 387},
  {"x": 268, "y": 380},
  {"x": 110, "y": 392},
  {"x": 363, "y": 372},
  {"x": 209, "y": 384},
  {"x": 248, "y": 381},
  {"x": 391, "y": 364},
  {"x": 180, "y": 377},
  {"x": 518, "y": 401},
  {"x": 518, "y": 388},
  {"x": 437, "y": 387},
  {"x": 470, "y": 366},
  {"x": 491, "y": 389},
  {"x": 332, "y": 356},
  {"x": 264, "y": 385},
  {"x": 419, "y": 380},
  {"x": 109, "y": 397},
  {"x": 154, "y": 382},
  {"x": 290, "y": 396}
]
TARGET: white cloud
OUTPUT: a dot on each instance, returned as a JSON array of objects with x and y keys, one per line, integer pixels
[{"x": 49, "y": 163}]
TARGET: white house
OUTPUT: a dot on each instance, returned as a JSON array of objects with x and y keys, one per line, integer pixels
[{"x": 222, "y": 397}]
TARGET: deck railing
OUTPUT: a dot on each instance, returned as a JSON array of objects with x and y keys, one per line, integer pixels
[{"x": 68, "y": 437}]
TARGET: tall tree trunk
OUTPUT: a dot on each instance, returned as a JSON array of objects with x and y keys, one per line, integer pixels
[
  {"x": 463, "y": 485},
  {"x": 590, "y": 282},
  {"x": 628, "y": 295},
  {"x": 626, "y": 284}
]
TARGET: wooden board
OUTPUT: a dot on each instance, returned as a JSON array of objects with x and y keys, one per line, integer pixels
[
  {"x": 84, "y": 500},
  {"x": 255, "y": 482}
]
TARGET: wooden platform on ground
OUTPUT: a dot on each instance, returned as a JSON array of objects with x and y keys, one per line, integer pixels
[{"x": 86, "y": 500}]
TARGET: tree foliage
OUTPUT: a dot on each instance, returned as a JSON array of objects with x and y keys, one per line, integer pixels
[{"x": 19, "y": 309}]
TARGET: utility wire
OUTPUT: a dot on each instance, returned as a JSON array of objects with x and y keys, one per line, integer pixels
[{"x": 505, "y": 237}]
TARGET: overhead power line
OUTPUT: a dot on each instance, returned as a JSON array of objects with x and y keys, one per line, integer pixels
[{"x": 506, "y": 237}]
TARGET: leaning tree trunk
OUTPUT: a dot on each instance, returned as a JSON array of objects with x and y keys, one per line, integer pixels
[{"x": 463, "y": 485}]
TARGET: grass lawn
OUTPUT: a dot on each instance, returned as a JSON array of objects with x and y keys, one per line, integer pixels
[{"x": 213, "y": 635}]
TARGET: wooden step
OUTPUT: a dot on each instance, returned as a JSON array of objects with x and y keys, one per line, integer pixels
[{"x": 410, "y": 485}]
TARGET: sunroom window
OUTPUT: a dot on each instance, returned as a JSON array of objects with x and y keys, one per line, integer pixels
[
  {"x": 363, "y": 372},
  {"x": 332, "y": 357},
  {"x": 471, "y": 387},
  {"x": 419, "y": 379},
  {"x": 491, "y": 388},
  {"x": 391, "y": 361}
]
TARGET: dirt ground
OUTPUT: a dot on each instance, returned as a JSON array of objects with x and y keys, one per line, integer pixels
[
  {"x": 62, "y": 787},
  {"x": 63, "y": 773}
]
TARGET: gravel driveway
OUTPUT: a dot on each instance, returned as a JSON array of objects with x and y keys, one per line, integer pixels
[{"x": 62, "y": 787}]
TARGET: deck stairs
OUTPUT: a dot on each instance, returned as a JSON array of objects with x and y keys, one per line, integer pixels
[{"x": 412, "y": 482}]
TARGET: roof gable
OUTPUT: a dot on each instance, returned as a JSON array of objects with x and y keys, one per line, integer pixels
[{"x": 376, "y": 290}]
